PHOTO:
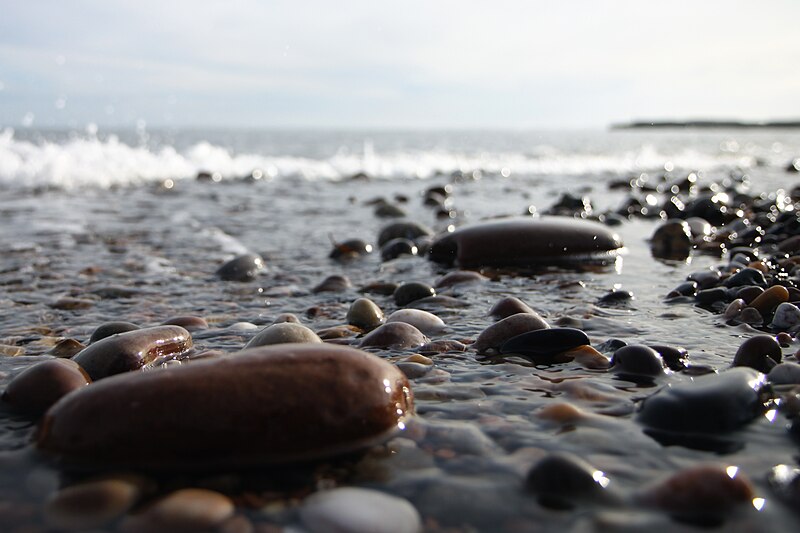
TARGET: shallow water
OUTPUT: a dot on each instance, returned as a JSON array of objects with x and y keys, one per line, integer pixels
[{"x": 145, "y": 253}]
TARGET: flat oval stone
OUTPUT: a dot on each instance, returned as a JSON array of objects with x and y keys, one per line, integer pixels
[
  {"x": 283, "y": 333},
  {"x": 266, "y": 405},
  {"x": 424, "y": 321},
  {"x": 545, "y": 345},
  {"x": 185, "y": 510},
  {"x": 333, "y": 283},
  {"x": 784, "y": 374},
  {"x": 357, "y": 510},
  {"x": 706, "y": 406},
  {"x": 38, "y": 387},
  {"x": 494, "y": 336},
  {"x": 90, "y": 505},
  {"x": 459, "y": 277},
  {"x": 395, "y": 335},
  {"x": 245, "y": 267},
  {"x": 132, "y": 350},
  {"x": 526, "y": 242},
  {"x": 189, "y": 323},
  {"x": 402, "y": 230}
]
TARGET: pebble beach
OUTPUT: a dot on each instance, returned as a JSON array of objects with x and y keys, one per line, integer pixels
[{"x": 400, "y": 331}]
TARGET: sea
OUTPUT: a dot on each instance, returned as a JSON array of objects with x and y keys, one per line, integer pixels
[{"x": 102, "y": 225}]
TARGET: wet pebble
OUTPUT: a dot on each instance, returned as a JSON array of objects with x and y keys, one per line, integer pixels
[
  {"x": 350, "y": 249},
  {"x": 459, "y": 277},
  {"x": 786, "y": 317},
  {"x": 283, "y": 333},
  {"x": 90, "y": 505},
  {"x": 702, "y": 494},
  {"x": 672, "y": 240},
  {"x": 761, "y": 352},
  {"x": 784, "y": 480},
  {"x": 333, "y": 283},
  {"x": 785, "y": 374},
  {"x": 545, "y": 346},
  {"x": 398, "y": 247},
  {"x": 243, "y": 268},
  {"x": 700, "y": 412},
  {"x": 39, "y": 386},
  {"x": 746, "y": 276},
  {"x": 265, "y": 405},
  {"x": 72, "y": 304},
  {"x": 675, "y": 358},
  {"x": 637, "y": 361},
  {"x": 403, "y": 230},
  {"x": 497, "y": 334},
  {"x": 426, "y": 322},
  {"x": 358, "y": 510},
  {"x": 189, "y": 323},
  {"x": 184, "y": 510},
  {"x": 409, "y": 292},
  {"x": 525, "y": 242},
  {"x": 365, "y": 314},
  {"x": 770, "y": 299},
  {"x": 66, "y": 348},
  {"x": 562, "y": 480},
  {"x": 510, "y": 305},
  {"x": 132, "y": 350},
  {"x": 111, "y": 328},
  {"x": 394, "y": 335}
]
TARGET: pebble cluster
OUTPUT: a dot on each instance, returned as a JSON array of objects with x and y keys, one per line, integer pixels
[{"x": 144, "y": 427}]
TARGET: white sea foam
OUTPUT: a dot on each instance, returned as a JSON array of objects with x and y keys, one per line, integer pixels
[{"x": 88, "y": 161}]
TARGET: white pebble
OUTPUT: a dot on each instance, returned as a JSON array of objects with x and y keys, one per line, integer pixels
[
  {"x": 356, "y": 510},
  {"x": 422, "y": 320},
  {"x": 786, "y": 316}
]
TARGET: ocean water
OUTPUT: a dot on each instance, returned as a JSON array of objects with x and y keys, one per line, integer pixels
[{"x": 118, "y": 222}]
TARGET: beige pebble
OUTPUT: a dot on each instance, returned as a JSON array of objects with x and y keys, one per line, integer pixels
[
  {"x": 188, "y": 510},
  {"x": 12, "y": 351},
  {"x": 66, "y": 348},
  {"x": 90, "y": 505}
]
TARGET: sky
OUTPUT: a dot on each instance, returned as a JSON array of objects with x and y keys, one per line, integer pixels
[{"x": 411, "y": 64}]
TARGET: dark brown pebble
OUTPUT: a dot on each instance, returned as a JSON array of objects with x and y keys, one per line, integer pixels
[
  {"x": 404, "y": 230},
  {"x": 333, "y": 283},
  {"x": 674, "y": 357},
  {"x": 459, "y": 277},
  {"x": 411, "y": 291},
  {"x": 350, "y": 249},
  {"x": 72, "y": 304},
  {"x": 746, "y": 276},
  {"x": 398, "y": 247},
  {"x": 497, "y": 334},
  {"x": 761, "y": 352},
  {"x": 441, "y": 346},
  {"x": 561, "y": 480},
  {"x": 510, "y": 305},
  {"x": 637, "y": 361},
  {"x": 526, "y": 242},
  {"x": 267, "y": 405},
  {"x": 132, "y": 350},
  {"x": 38, "y": 387},
  {"x": 748, "y": 293},
  {"x": 189, "y": 323},
  {"x": 672, "y": 240},
  {"x": 111, "y": 328}
]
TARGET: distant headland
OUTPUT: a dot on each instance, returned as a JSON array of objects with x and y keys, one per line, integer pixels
[{"x": 706, "y": 124}]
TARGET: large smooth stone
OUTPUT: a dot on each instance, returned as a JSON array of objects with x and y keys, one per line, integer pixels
[
  {"x": 283, "y": 333},
  {"x": 526, "y": 242},
  {"x": 132, "y": 350},
  {"x": 698, "y": 413},
  {"x": 267, "y": 405},
  {"x": 357, "y": 510}
]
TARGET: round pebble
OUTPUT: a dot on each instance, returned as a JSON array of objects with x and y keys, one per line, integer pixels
[
  {"x": 357, "y": 510},
  {"x": 497, "y": 334},
  {"x": 365, "y": 314},
  {"x": 561, "y": 480},
  {"x": 111, "y": 328},
  {"x": 761, "y": 352},
  {"x": 546, "y": 346},
  {"x": 188, "y": 510},
  {"x": 394, "y": 335},
  {"x": 412, "y": 291},
  {"x": 426, "y": 322},
  {"x": 243, "y": 268},
  {"x": 510, "y": 305},
  {"x": 39, "y": 386},
  {"x": 786, "y": 317},
  {"x": 283, "y": 333},
  {"x": 90, "y": 505},
  {"x": 770, "y": 299}
]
